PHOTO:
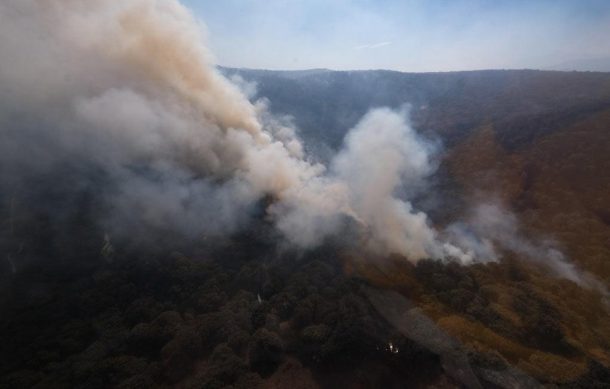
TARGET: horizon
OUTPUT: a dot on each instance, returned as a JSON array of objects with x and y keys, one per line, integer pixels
[
  {"x": 413, "y": 36},
  {"x": 279, "y": 70}
]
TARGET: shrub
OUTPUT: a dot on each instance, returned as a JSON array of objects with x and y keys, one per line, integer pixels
[{"x": 266, "y": 352}]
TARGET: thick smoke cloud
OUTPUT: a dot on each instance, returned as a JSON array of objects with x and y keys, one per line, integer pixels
[
  {"x": 130, "y": 90},
  {"x": 382, "y": 153},
  {"x": 121, "y": 102}
]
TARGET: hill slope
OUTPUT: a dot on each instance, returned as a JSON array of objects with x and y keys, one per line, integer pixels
[
  {"x": 539, "y": 140},
  {"x": 246, "y": 312}
]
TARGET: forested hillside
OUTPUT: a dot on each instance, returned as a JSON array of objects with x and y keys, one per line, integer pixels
[
  {"x": 539, "y": 140},
  {"x": 244, "y": 311}
]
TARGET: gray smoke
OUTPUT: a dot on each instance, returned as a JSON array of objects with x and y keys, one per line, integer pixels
[
  {"x": 122, "y": 100},
  {"x": 382, "y": 154},
  {"x": 491, "y": 229},
  {"x": 128, "y": 92},
  {"x": 128, "y": 89}
]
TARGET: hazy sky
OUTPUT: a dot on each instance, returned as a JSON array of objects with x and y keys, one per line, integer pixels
[{"x": 407, "y": 35}]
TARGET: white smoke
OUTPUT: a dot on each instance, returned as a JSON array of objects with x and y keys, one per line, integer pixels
[
  {"x": 383, "y": 154},
  {"x": 131, "y": 87},
  {"x": 130, "y": 91}
]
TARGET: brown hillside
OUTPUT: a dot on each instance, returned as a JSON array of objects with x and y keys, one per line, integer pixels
[{"x": 559, "y": 184}]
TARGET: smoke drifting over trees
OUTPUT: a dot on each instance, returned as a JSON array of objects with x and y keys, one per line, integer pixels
[
  {"x": 131, "y": 91},
  {"x": 123, "y": 102}
]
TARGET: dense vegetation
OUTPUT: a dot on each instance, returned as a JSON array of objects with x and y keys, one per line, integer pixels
[
  {"x": 258, "y": 319},
  {"x": 243, "y": 321},
  {"x": 85, "y": 311},
  {"x": 241, "y": 313}
]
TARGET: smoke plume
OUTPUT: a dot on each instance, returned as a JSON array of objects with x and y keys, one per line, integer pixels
[
  {"x": 127, "y": 95},
  {"x": 121, "y": 102}
]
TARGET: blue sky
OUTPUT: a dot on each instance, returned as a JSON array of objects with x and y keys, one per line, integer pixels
[{"x": 407, "y": 35}]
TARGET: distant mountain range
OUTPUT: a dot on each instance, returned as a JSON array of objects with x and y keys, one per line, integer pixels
[
  {"x": 590, "y": 65},
  {"x": 326, "y": 103}
]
